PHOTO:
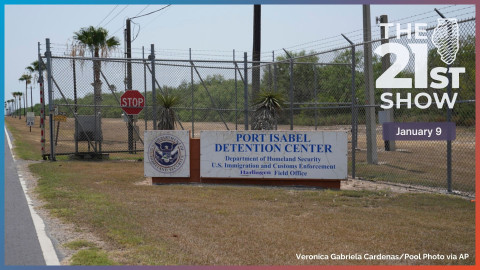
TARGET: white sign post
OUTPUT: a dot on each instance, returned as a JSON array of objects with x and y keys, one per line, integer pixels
[
  {"x": 274, "y": 154},
  {"x": 167, "y": 153},
  {"x": 30, "y": 120}
]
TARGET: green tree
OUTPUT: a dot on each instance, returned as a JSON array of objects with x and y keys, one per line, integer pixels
[
  {"x": 27, "y": 78},
  {"x": 19, "y": 107},
  {"x": 97, "y": 41}
]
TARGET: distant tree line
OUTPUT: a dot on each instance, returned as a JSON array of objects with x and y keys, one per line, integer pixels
[{"x": 332, "y": 85}]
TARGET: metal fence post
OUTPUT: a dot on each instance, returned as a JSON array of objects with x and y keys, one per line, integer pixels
[
  {"x": 154, "y": 91},
  {"x": 449, "y": 119},
  {"x": 193, "y": 96},
  {"x": 245, "y": 89},
  {"x": 145, "y": 113},
  {"x": 274, "y": 82},
  {"x": 449, "y": 142},
  {"x": 291, "y": 89},
  {"x": 48, "y": 54},
  {"x": 75, "y": 99},
  {"x": 315, "y": 94},
  {"x": 42, "y": 100},
  {"x": 353, "y": 107},
  {"x": 236, "y": 93},
  {"x": 291, "y": 94}
]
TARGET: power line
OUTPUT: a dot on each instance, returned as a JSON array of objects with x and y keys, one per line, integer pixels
[
  {"x": 142, "y": 10},
  {"x": 148, "y": 23},
  {"x": 138, "y": 32},
  {"x": 123, "y": 25},
  {"x": 116, "y": 15},
  {"x": 133, "y": 30},
  {"x": 107, "y": 15},
  {"x": 151, "y": 12}
]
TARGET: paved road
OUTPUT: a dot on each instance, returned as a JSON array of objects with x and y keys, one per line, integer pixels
[{"x": 21, "y": 242}]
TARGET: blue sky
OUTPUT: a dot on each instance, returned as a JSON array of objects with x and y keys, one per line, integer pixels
[{"x": 212, "y": 31}]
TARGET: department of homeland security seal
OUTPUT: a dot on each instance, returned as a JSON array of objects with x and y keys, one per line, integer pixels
[{"x": 166, "y": 153}]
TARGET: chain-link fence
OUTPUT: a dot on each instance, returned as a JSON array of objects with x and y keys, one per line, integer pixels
[{"x": 318, "y": 87}]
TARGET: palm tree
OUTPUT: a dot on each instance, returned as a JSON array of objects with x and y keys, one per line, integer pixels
[
  {"x": 12, "y": 104},
  {"x": 20, "y": 94},
  {"x": 19, "y": 108},
  {"x": 27, "y": 78},
  {"x": 267, "y": 106},
  {"x": 34, "y": 67},
  {"x": 14, "y": 94},
  {"x": 100, "y": 44},
  {"x": 38, "y": 67}
]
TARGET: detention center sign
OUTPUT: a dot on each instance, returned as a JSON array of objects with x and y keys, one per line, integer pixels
[{"x": 274, "y": 154}]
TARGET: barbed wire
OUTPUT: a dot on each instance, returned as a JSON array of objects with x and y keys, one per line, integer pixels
[
  {"x": 416, "y": 15},
  {"x": 313, "y": 46},
  {"x": 374, "y": 32}
]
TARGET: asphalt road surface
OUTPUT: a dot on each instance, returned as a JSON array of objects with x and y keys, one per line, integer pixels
[{"x": 22, "y": 246}]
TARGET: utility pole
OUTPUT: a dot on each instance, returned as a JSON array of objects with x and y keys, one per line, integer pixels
[
  {"x": 389, "y": 145},
  {"x": 372, "y": 156},
  {"x": 257, "y": 28},
  {"x": 31, "y": 97},
  {"x": 128, "y": 53},
  {"x": 25, "y": 101}
]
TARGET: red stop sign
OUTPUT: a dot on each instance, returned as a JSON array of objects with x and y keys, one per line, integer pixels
[{"x": 132, "y": 102}]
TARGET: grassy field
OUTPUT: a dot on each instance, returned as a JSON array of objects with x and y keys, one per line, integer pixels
[
  {"x": 414, "y": 162},
  {"x": 233, "y": 225}
]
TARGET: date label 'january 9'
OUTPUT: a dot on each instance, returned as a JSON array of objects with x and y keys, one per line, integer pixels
[{"x": 418, "y": 131}]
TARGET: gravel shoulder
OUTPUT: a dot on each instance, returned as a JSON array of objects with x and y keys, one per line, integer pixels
[{"x": 59, "y": 232}]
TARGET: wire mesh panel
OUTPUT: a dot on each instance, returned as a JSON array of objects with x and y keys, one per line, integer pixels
[
  {"x": 320, "y": 90},
  {"x": 425, "y": 162}
]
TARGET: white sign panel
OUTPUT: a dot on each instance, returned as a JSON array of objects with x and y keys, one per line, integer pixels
[
  {"x": 167, "y": 153},
  {"x": 30, "y": 119},
  {"x": 274, "y": 154}
]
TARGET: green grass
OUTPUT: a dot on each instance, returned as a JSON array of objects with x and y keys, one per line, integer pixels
[
  {"x": 88, "y": 254},
  {"x": 231, "y": 225},
  {"x": 91, "y": 256},
  {"x": 22, "y": 148},
  {"x": 79, "y": 244}
]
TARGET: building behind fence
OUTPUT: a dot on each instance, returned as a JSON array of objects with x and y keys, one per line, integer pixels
[{"x": 324, "y": 91}]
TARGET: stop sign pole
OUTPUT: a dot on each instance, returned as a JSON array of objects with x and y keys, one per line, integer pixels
[{"x": 132, "y": 103}]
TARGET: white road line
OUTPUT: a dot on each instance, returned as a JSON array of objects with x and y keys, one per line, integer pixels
[
  {"x": 46, "y": 245},
  {"x": 9, "y": 142}
]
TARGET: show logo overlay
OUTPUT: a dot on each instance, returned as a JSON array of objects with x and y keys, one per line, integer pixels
[
  {"x": 273, "y": 154},
  {"x": 400, "y": 75},
  {"x": 445, "y": 38},
  {"x": 167, "y": 154}
]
